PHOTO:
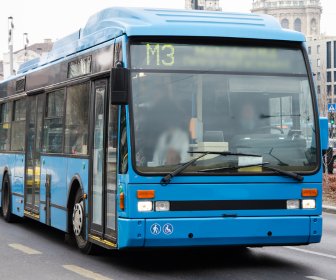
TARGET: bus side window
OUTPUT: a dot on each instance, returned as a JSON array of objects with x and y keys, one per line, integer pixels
[
  {"x": 53, "y": 122},
  {"x": 18, "y": 125},
  {"x": 5, "y": 125},
  {"x": 77, "y": 119},
  {"x": 123, "y": 143}
]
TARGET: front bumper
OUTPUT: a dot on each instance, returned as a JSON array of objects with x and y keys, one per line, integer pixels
[{"x": 226, "y": 231}]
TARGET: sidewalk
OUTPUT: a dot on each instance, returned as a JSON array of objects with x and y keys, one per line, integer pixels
[{"x": 329, "y": 209}]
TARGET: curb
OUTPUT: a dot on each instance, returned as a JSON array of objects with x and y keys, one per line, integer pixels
[{"x": 329, "y": 209}]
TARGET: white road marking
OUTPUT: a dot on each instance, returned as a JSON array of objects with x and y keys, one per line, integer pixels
[
  {"x": 315, "y": 278},
  {"x": 311, "y": 252},
  {"x": 24, "y": 249},
  {"x": 85, "y": 273}
]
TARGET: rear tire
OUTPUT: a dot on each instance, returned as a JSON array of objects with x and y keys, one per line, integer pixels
[
  {"x": 6, "y": 201},
  {"x": 79, "y": 224}
]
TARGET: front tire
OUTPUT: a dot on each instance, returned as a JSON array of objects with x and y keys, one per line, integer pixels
[
  {"x": 6, "y": 201},
  {"x": 79, "y": 224}
]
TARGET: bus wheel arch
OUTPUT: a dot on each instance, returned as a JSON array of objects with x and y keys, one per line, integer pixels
[
  {"x": 6, "y": 199},
  {"x": 77, "y": 215}
]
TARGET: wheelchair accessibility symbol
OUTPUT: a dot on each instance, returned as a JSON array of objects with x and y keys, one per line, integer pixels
[
  {"x": 167, "y": 229},
  {"x": 155, "y": 229}
]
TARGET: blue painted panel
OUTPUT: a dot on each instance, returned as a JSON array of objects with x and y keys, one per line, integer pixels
[
  {"x": 7, "y": 162},
  {"x": 62, "y": 171},
  {"x": 18, "y": 179},
  {"x": 213, "y": 231},
  {"x": 131, "y": 233},
  {"x": 43, "y": 173},
  {"x": 315, "y": 229},
  {"x": 42, "y": 213},
  {"x": 78, "y": 167},
  {"x": 57, "y": 168},
  {"x": 209, "y": 192},
  {"x": 17, "y": 206},
  {"x": 324, "y": 133},
  {"x": 18, "y": 185},
  {"x": 58, "y": 218},
  {"x": 229, "y": 231},
  {"x": 142, "y": 21}
]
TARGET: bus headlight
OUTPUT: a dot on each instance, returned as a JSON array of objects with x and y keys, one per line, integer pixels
[
  {"x": 145, "y": 206},
  {"x": 308, "y": 204},
  {"x": 293, "y": 204},
  {"x": 162, "y": 206}
]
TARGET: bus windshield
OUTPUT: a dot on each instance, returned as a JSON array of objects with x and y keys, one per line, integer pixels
[{"x": 240, "y": 99}]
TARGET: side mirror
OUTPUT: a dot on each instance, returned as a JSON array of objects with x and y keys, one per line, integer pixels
[
  {"x": 119, "y": 86},
  {"x": 324, "y": 135}
]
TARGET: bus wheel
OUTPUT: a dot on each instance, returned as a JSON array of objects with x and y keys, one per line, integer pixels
[
  {"x": 79, "y": 224},
  {"x": 6, "y": 200}
]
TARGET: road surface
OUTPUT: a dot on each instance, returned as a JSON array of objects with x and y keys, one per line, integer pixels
[{"x": 29, "y": 250}]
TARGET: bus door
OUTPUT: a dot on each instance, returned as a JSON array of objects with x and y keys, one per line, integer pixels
[
  {"x": 104, "y": 164},
  {"x": 33, "y": 149}
]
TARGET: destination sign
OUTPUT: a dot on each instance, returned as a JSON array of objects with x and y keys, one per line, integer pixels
[{"x": 151, "y": 55}]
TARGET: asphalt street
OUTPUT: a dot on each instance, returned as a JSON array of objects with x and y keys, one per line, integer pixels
[{"x": 29, "y": 250}]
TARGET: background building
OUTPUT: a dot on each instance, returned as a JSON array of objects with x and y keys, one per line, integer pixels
[
  {"x": 210, "y": 5},
  {"x": 300, "y": 15},
  {"x": 322, "y": 57},
  {"x": 305, "y": 16},
  {"x": 1, "y": 71},
  {"x": 23, "y": 55}
]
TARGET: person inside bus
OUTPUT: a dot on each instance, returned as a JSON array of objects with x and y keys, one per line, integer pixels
[
  {"x": 164, "y": 130},
  {"x": 247, "y": 119},
  {"x": 172, "y": 147}
]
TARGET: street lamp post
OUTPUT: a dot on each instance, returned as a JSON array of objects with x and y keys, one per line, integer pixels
[
  {"x": 10, "y": 43},
  {"x": 25, "y": 44}
]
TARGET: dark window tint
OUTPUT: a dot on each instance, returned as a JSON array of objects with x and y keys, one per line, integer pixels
[
  {"x": 5, "y": 126},
  {"x": 77, "y": 119},
  {"x": 55, "y": 106},
  {"x": 329, "y": 90},
  {"x": 111, "y": 158},
  {"x": 245, "y": 59},
  {"x": 123, "y": 143},
  {"x": 53, "y": 122},
  {"x": 328, "y": 54},
  {"x": 18, "y": 126},
  {"x": 79, "y": 67},
  {"x": 328, "y": 77}
]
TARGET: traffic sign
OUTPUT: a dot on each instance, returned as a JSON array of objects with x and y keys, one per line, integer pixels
[{"x": 332, "y": 107}]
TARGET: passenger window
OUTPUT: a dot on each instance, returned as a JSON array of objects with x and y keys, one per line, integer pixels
[
  {"x": 77, "y": 119},
  {"x": 53, "y": 122},
  {"x": 5, "y": 125},
  {"x": 123, "y": 162},
  {"x": 18, "y": 126},
  {"x": 111, "y": 158}
]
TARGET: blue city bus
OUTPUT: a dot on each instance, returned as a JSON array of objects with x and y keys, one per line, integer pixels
[{"x": 166, "y": 128}]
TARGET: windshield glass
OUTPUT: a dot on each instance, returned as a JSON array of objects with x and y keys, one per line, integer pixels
[{"x": 252, "y": 100}]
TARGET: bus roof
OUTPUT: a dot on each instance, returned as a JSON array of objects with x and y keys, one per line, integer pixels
[
  {"x": 164, "y": 22},
  {"x": 113, "y": 22}
]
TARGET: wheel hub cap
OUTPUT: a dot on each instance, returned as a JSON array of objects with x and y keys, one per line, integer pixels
[{"x": 77, "y": 218}]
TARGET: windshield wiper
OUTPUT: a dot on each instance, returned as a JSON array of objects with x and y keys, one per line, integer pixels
[
  {"x": 291, "y": 174},
  {"x": 166, "y": 179}
]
